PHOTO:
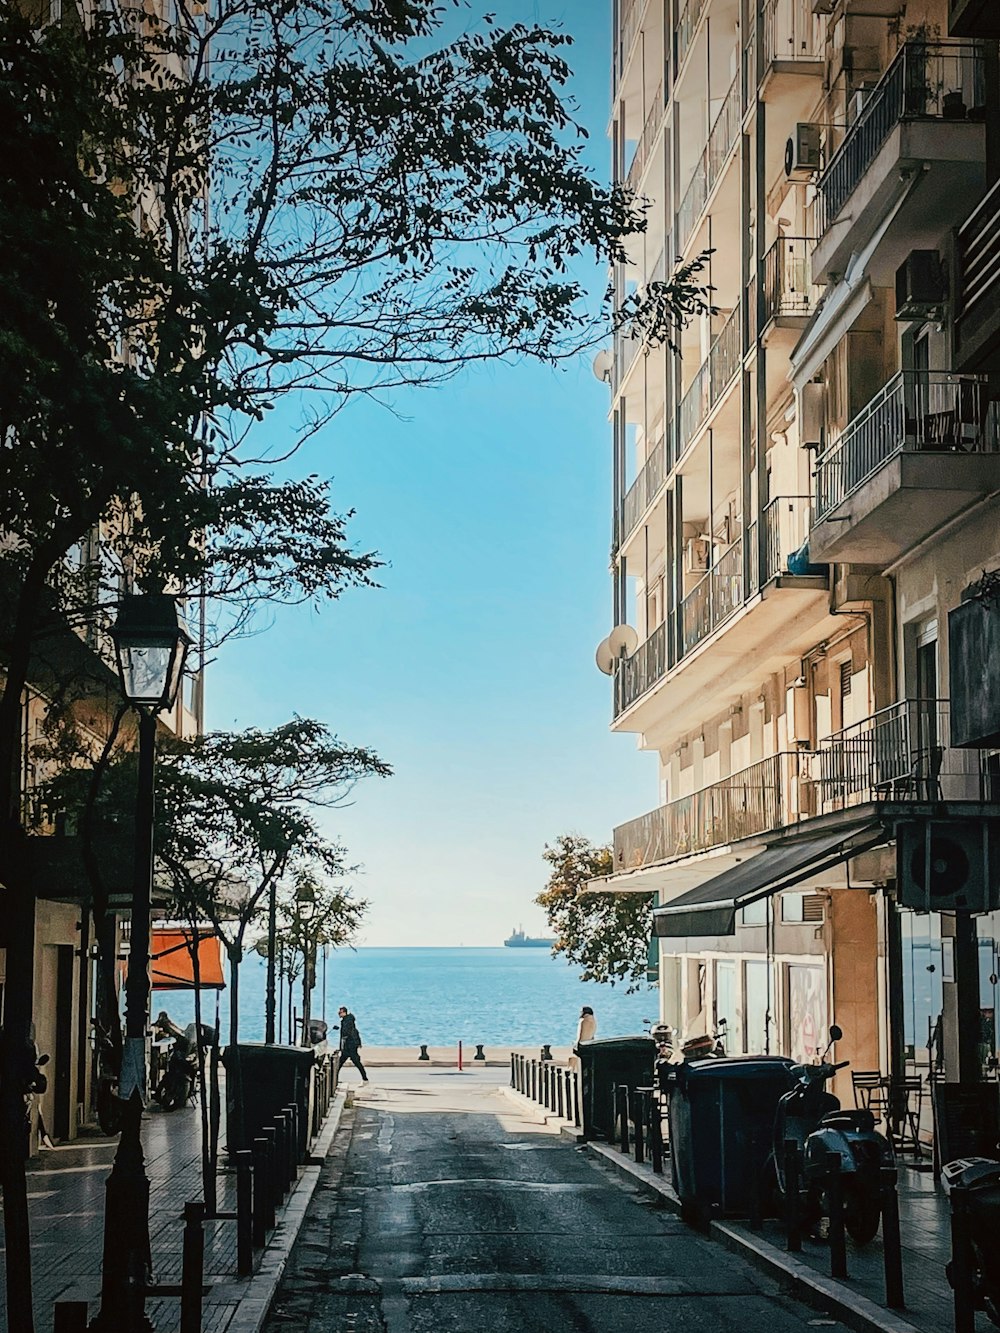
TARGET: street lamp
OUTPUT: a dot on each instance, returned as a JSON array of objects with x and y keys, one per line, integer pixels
[
  {"x": 151, "y": 645},
  {"x": 305, "y": 906}
]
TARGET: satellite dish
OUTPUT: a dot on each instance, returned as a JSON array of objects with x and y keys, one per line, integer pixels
[
  {"x": 602, "y": 364},
  {"x": 605, "y": 658},
  {"x": 623, "y": 641}
]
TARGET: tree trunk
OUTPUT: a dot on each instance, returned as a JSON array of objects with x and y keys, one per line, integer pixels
[
  {"x": 235, "y": 1127},
  {"x": 207, "y": 1167}
]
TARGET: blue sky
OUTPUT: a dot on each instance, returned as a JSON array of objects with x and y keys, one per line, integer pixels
[{"x": 471, "y": 670}]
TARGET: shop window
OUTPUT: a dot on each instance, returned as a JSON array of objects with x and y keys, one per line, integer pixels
[{"x": 806, "y": 1009}]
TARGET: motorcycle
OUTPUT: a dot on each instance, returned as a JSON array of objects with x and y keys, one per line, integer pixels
[
  {"x": 981, "y": 1177},
  {"x": 663, "y": 1037},
  {"x": 180, "y": 1078},
  {"x": 109, "y": 1108},
  {"x": 813, "y": 1118},
  {"x": 711, "y": 1046}
]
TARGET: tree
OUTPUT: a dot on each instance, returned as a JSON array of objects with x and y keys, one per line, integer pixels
[{"x": 606, "y": 934}]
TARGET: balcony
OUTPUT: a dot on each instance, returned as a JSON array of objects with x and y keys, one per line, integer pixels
[
  {"x": 922, "y": 451},
  {"x": 786, "y": 531},
  {"x": 713, "y": 377},
  {"x": 977, "y": 325},
  {"x": 973, "y": 18},
  {"x": 684, "y": 33},
  {"x": 793, "y": 44},
  {"x": 900, "y": 756},
  {"x": 644, "y": 490},
  {"x": 628, "y": 28},
  {"x": 647, "y": 139},
  {"x": 915, "y": 152},
  {"x": 790, "y": 295},
  {"x": 710, "y": 166},
  {"x": 636, "y": 675},
  {"x": 757, "y": 800}
]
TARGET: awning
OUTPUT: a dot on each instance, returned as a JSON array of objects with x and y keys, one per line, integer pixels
[
  {"x": 171, "y": 965},
  {"x": 710, "y": 909}
]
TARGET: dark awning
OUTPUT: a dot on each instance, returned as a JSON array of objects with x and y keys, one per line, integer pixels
[{"x": 710, "y": 909}]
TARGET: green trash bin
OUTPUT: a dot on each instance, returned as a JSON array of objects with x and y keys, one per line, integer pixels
[
  {"x": 721, "y": 1115},
  {"x": 604, "y": 1064},
  {"x": 273, "y": 1077}
]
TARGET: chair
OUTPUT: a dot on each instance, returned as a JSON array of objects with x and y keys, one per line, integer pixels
[
  {"x": 870, "y": 1091},
  {"x": 906, "y": 1100}
]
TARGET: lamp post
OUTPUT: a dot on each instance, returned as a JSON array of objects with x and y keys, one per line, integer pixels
[
  {"x": 305, "y": 905},
  {"x": 151, "y": 645}
]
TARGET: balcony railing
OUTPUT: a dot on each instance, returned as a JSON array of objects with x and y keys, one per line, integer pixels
[
  {"x": 647, "y": 139},
  {"x": 901, "y": 753},
  {"x": 926, "y": 81},
  {"x": 711, "y": 162},
  {"x": 632, "y": 12},
  {"x": 786, "y": 527},
  {"x": 714, "y": 598},
  {"x": 636, "y": 674},
  {"x": 686, "y": 25},
  {"x": 917, "y": 411},
  {"x": 696, "y": 614},
  {"x": 791, "y": 32},
  {"x": 713, "y": 377},
  {"x": 788, "y": 284},
  {"x": 979, "y": 252},
  {"x": 626, "y": 351},
  {"x": 643, "y": 491},
  {"x": 756, "y": 800}
]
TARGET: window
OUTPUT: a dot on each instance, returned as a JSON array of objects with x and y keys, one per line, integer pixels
[
  {"x": 792, "y": 908},
  {"x": 755, "y": 914},
  {"x": 725, "y": 1000},
  {"x": 806, "y": 1012},
  {"x": 845, "y": 679},
  {"x": 756, "y": 991}
]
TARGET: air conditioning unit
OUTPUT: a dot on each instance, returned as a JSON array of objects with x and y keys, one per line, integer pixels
[
  {"x": 920, "y": 285},
  {"x": 948, "y": 865},
  {"x": 696, "y": 555},
  {"x": 812, "y": 402},
  {"x": 802, "y": 152}
]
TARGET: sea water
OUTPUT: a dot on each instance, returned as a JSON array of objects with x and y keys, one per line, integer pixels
[{"x": 403, "y": 997}]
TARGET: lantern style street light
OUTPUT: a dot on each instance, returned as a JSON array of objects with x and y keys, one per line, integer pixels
[
  {"x": 305, "y": 907},
  {"x": 151, "y": 645}
]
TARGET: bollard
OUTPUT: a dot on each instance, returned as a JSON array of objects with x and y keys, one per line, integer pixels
[
  {"x": 459, "y": 1057},
  {"x": 576, "y": 1098},
  {"x": 546, "y": 1052},
  {"x": 192, "y": 1267},
  {"x": 623, "y": 1116},
  {"x": 244, "y": 1213},
  {"x": 892, "y": 1250},
  {"x": 261, "y": 1187},
  {"x": 480, "y": 1053},
  {"x": 281, "y": 1156},
  {"x": 639, "y": 1140},
  {"x": 560, "y": 1095},
  {"x": 962, "y": 1261},
  {"x": 793, "y": 1199},
  {"x": 292, "y": 1111},
  {"x": 70, "y": 1317},
  {"x": 533, "y": 1080},
  {"x": 270, "y": 1134},
  {"x": 655, "y": 1134},
  {"x": 423, "y": 1053},
  {"x": 513, "y": 1070},
  {"x": 835, "y": 1194},
  {"x": 547, "y": 1086}
]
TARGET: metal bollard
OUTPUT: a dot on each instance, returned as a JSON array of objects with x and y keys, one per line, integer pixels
[
  {"x": 513, "y": 1070},
  {"x": 423, "y": 1052},
  {"x": 272, "y": 1194},
  {"x": 576, "y": 1099},
  {"x": 962, "y": 1261},
  {"x": 281, "y": 1156},
  {"x": 546, "y": 1052},
  {"x": 261, "y": 1187},
  {"x": 892, "y": 1250},
  {"x": 192, "y": 1267},
  {"x": 480, "y": 1054},
  {"x": 292, "y": 1111},
  {"x": 244, "y": 1213},
  {"x": 838, "y": 1240},
  {"x": 70, "y": 1317},
  {"x": 622, "y": 1094},
  {"x": 560, "y": 1095},
  {"x": 655, "y": 1134},
  {"x": 639, "y": 1139},
  {"x": 793, "y": 1199},
  {"x": 533, "y": 1080}
]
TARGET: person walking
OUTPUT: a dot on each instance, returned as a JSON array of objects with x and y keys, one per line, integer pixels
[
  {"x": 586, "y": 1030},
  {"x": 350, "y": 1042}
]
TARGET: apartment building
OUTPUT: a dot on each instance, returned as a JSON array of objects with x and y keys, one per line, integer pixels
[{"x": 801, "y": 496}]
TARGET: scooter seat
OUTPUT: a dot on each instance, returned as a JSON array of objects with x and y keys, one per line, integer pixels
[{"x": 860, "y": 1121}]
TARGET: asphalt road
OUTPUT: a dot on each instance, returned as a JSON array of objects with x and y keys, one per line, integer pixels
[{"x": 443, "y": 1209}]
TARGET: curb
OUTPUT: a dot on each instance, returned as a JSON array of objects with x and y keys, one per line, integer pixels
[
  {"x": 823, "y": 1293},
  {"x": 259, "y": 1292},
  {"x": 567, "y": 1130}
]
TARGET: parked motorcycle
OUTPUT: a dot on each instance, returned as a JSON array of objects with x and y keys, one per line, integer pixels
[
  {"x": 664, "y": 1038},
  {"x": 711, "y": 1046},
  {"x": 180, "y": 1078},
  {"x": 109, "y": 1108},
  {"x": 813, "y": 1118},
  {"x": 981, "y": 1177}
]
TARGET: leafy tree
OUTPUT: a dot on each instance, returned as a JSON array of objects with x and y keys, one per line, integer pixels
[{"x": 605, "y": 934}]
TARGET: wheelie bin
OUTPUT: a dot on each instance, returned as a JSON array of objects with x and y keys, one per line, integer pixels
[
  {"x": 604, "y": 1064},
  {"x": 721, "y": 1116},
  {"x": 272, "y": 1077}
]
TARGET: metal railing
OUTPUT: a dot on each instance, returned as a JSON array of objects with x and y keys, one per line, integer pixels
[
  {"x": 694, "y": 408},
  {"x": 647, "y": 138},
  {"x": 727, "y": 582},
  {"x": 901, "y": 753},
  {"x": 686, "y": 25},
  {"x": 755, "y": 800},
  {"x": 643, "y": 491},
  {"x": 788, "y": 284},
  {"x": 791, "y": 32},
  {"x": 786, "y": 527},
  {"x": 626, "y": 351},
  {"x": 750, "y": 80},
  {"x": 711, "y": 380},
  {"x": 941, "y": 80},
  {"x": 632, "y": 12},
  {"x": 979, "y": 252},
  {"x": 917, "y": 411},
  {"x": 710, "y": 165},
  {"x": 696, "y": 614},
  {"x": 636, "y": 674}
]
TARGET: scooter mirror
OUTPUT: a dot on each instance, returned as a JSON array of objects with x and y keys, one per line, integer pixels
[{"x": 835, "y": 1032}]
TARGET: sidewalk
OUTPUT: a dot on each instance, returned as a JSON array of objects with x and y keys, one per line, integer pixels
[{"x": 66, "y": 1205}]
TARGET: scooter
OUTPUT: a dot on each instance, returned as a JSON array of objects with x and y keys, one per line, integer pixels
[
  {"x": 813, "y": 1118},
  {"x": 711, "y": 1046},
  {"x": 981, "y": 1177},
  {"x": 180, "y": 1078}
]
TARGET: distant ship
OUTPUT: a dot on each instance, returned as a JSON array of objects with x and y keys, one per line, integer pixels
[{"x": 518, "y": 940}]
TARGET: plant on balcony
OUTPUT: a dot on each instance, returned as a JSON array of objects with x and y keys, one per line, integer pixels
[{"x": 605, "y": 934}]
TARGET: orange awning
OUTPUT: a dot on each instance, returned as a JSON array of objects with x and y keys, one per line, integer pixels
[{"x": 171, "y": 966}]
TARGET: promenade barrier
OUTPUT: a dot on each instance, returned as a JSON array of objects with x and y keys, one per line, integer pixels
[{"x": 551, "y": 1085}]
